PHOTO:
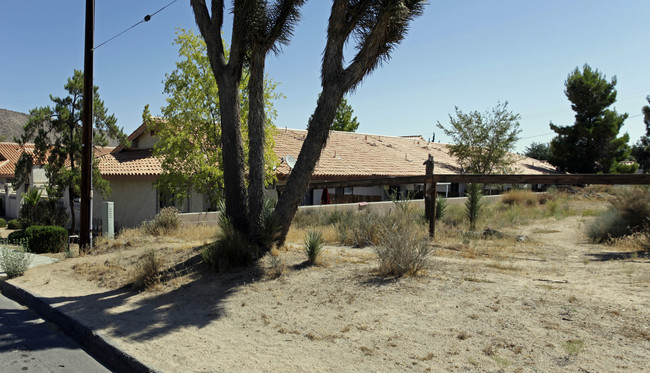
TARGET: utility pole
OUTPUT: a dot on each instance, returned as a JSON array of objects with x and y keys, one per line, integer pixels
[{"x": 85, "y": 220}]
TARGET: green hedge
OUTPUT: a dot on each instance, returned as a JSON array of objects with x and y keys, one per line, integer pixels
[
  {"x": 3, "y": 223},
  {"x": 15, "y": 238},
  {"x": 42, "y": 238},
  {"x": 14, "y": 224}
]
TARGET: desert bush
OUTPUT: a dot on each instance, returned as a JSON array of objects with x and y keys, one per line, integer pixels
[
  {"x": 629, "y": 213},
  {"x": 404, "y": 249},
  {"x": 230, "y": 251},
  {"x": 14, "y": 262},
  {"x": 276, "y": 266},
  {"x": 313, "y": 246},
  {"x": 364, "y": 229},
  {"x": 473, "y": 204},
  {"x": 305, "y": 218},
  {"x": 166, "y": 221},
  {"x": 146, "y": 271},
  {"x": 3, "y": 223},
  {"x": 520, "y": 197},
  {"x": 14, "y": 224}
]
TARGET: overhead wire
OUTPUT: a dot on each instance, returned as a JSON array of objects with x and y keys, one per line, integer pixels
[{"x": 146, "y": 18}]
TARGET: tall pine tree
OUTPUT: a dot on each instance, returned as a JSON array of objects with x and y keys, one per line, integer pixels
[{"x": 591, "y": 144}]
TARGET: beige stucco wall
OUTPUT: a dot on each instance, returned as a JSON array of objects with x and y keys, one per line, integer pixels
[
  {"x": 146, "y": 141},
  {"x": 134, "y": 201}
]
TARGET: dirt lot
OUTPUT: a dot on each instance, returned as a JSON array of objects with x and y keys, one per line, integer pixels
[{"x": 553, "y": 303}]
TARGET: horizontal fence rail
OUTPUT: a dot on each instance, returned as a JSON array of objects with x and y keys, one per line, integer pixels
[{"x": 607, "y": 179}]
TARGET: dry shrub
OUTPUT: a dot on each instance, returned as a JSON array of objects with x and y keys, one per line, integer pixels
[
  {"x": 147, "y": 269},
  {"x": 166, "y": 221},
  {"x": 362, "y": 229},
  {"x": 403, "y": 247},
  {"x": 629, "y": 213},
  {"x": 520, "y": 197}
]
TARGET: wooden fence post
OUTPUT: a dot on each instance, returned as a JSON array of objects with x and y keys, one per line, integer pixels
[{"x": 430, "y": 197}]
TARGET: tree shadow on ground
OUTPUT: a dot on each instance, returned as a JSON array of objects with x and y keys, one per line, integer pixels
[
  {"x": 607, "y": 256},
  {"x": 142, "y": 316}
]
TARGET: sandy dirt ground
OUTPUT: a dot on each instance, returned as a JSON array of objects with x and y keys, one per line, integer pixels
[{"x": 554, "y": 303}]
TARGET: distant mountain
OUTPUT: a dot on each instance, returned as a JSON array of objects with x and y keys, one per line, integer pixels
[{"x": 11, "y": 124}]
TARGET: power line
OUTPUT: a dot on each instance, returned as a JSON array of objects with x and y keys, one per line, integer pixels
[
  {"x": 553, "y": 133},
  {"x": 145, "y": 19}
]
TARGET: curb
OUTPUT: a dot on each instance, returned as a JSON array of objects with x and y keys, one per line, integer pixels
[{"x": 98, "y": 346}]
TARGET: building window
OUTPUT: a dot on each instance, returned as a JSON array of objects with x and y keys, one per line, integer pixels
[{"x": 168, "y": 200}]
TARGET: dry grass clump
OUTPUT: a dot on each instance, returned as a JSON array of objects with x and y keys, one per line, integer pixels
[
  {"x": 146, "y": 274},
  {"x": 520, "y": 197}
]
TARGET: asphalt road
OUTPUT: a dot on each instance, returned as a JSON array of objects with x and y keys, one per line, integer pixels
[{"x": 30, "y": 344}]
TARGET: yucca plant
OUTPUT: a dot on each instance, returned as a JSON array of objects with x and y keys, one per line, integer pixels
[
  {"x": 313, "y": 246},
  {"x": 473, "y": 204}
]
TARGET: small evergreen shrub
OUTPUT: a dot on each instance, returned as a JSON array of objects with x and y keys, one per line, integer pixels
[
  {"x": 14, "y": 224},
  {"x": 46, "y": 239},
  {"x": 17, "y": 238},
  {"x": 3, "y": 223},
  {"x": 313, "y": 246},
  {"x": 14, "y": 262}
]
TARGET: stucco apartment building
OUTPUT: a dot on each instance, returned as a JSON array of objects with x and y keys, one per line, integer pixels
[{"x": 132, "y": 172}]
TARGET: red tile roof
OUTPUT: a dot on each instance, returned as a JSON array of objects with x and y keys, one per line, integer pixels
[
  {"x": 135, "y": 162},
  {"x": 10, "y": 153},
  {"x": 349, "y": 154}
]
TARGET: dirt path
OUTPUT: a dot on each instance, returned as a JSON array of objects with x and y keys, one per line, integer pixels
[{"x": 545, "y": 305}]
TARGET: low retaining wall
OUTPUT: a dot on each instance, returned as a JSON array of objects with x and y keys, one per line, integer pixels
[{"x": 212, "y": 218}]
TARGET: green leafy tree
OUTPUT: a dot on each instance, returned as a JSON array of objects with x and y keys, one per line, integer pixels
[
  {"x": 641, "y": 150},
  {"x": 56, "y": 132},
  {"x": 591, "y": 144},
  {"x": 190, "y": 137},
  {"x": 260, "y": 27},
  {"x": 482, "y": 142},
  {"x": 538, "y": 150}
]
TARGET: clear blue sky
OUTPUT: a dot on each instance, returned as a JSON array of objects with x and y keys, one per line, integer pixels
[{"x": 466, "y": 53}]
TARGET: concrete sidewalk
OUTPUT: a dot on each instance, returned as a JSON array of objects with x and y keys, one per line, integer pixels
[{"x": 101, "y": 348}]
